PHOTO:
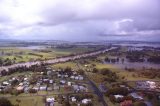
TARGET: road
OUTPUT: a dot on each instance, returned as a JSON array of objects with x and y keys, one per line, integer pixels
[
  {"x": 98, "y": 92},
  {"x": 57, "y": 60}
]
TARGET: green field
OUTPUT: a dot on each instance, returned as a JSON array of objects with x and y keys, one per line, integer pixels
[
  {"x": 24, "y": 55},
  {"x": 27, "y": 101}
]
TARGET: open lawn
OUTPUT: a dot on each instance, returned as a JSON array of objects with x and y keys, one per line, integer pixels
[
  {"x": 64, "y": 65},
  {"x": 13, "y": 75},
  {"x": 123, "y": 74},
  {"x": 27, "y": 101},
  {"x": 24, "y": 55}
]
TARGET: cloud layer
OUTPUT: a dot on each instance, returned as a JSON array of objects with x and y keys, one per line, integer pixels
[{"x": 82, "y": 20}]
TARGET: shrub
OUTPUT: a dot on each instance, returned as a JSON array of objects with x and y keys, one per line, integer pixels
[{"x": 5, "y": 102}]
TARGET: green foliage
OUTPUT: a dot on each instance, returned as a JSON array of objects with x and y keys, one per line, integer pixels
[
  {"x": 5, "y": 102},
  {"x": 139, "y": 103},
  {"x": 117, "y": 91}
]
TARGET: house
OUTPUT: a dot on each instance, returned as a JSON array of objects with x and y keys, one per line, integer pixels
[
  {"x": 45, "y": 80},
  {"x": 38, "y": 84},
  {"x": 151, "y": 84},
  {"x": 86, "y": 101},
  {"x": 80, "y": 77},
  {"x": 122, "y": 86},
  {"x": 36, "y": 88},
  {"x": 43, "y": 88},
  {"x": 25, "y": 79},
  {"x": 51, "y": 81},
  {"x": 56, "y": 87},
  {"x": 73, "y": 99},
  {"x": 25, "y": 83},
  {"x": 2, "y": 87},
  {"x": 48, "y": 68},
  {"x": 72, "y": 77},
  {"x": 118, "y": 96},
  {"x": 86, "y": 65},
  {"x": 49, "y": 89},
  {"x": 26, "y": 89},
  {"x": 75, "y": 87},
  {"x": 42, "y": 73},
  {"x": 66, "y": 76},
  {"x": 50, "y": 101},
  {"x": 74, "y": 73},
  {"x": 136, "y": 96},
  {"x": 49, "y": 73},
  {"x": 146, "y": 85},
  {"x": 69, "y": 83},
  {"x": 82, "y": 88},
  {"x": 59, "y": 75},
  {"x": 21, "y": 84},
  {"x": 20, "y": 88},
  {"x": 5, "y": 83},
  {"x": 76, "y": 78},
  {"x": 62, "y": 81}
]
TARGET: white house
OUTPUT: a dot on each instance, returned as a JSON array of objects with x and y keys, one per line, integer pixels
[
  {"x": 76, "y": 78},
  {"x": 80, "y": 77},
  {"x": 51, "y": 81},
  {"x": 62, "y": 81},
  {"x": 5, "y": 83},
  {"x": 73, "y": 99},
  {"x": 43, "y": 88},
  {"x": 51, "y": 101},
  {"x": 72, "y": 77},
  {"x": 136, "y": 96},
  {"x": 86, "y": 101},
  {"x": 69, "y": 83},
  {"x": 118, "y": 96}
]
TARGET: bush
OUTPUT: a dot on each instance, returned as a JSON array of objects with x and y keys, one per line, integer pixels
[
  {"x": 5, "y": 102},
  {"x": 112, "y": 98},
  {"x": 105, "y": 71},
  {"x": 139, "y": 103},
  {"x": 117, "y": 91},
  {"x": 32, "y": 91},
  {"x": 15, "y": 92},
  {"x": 95, "y": 70}
]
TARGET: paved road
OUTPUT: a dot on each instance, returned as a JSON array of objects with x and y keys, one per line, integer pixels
[
  {"x": 53, "y": 61},
  {"x": 98, "y": 92}
]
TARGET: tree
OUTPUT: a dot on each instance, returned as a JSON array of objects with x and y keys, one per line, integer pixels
[
  {"x": 32, "y": 91},
  {"x": 81, "y": 72},
  {"x": 5, "y": 102},
  {"x": 112, "y": 98},
  {"x": 117, "y": 91},
  {"x": 95, "y": 70},
  {"x": 139, "y": 103},
  {"x": 105, "y": 71}
]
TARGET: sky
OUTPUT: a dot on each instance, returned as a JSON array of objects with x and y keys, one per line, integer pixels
[{"x": 80, "y": 20}]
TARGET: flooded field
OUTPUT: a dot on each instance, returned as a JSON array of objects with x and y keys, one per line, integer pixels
[
  {"x": 32, "y": 47},
  {"x": 137, "y": 65}
]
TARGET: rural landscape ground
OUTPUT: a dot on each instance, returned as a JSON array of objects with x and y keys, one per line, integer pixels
[
  {"x": 79, "y": 52},
  {"x": 80, "y": 74}
]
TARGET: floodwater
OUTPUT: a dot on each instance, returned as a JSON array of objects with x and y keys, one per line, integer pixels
[
  {"x": 137, "y": 65},
  {"x": 140, "y": 45},
  {"x": 32, "y": 47}
]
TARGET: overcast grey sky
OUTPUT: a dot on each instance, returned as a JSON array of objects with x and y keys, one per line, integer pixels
[{"x": 80, "y": 20}]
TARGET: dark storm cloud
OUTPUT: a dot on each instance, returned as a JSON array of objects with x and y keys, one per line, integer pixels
[{"x": 80, "y": 20}]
